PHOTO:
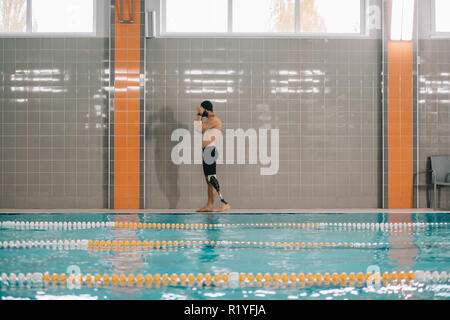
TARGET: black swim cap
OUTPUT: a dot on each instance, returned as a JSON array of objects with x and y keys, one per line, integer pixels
[{"x": 207, "y": 105}]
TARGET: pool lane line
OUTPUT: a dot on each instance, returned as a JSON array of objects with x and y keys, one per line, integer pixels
[
  {"x": 56, "y": 225},
  {"x": 38, "y": 279},
  {"x": 85, "y": 244},
  {"x": 75, "y": 225}
]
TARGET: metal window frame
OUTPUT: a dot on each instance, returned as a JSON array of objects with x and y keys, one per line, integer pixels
[
  {"x": 30, "y": 34},
  {"x": 364, "y": 33}
]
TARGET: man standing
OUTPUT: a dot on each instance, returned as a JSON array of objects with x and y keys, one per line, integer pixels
[{"x": 210, "y": 129}]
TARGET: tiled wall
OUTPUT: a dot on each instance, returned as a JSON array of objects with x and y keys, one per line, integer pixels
[
  {"x": 433, "y": 108},
  {"x": 54, "y": 122},
  {"x": 323, "y": 95}
]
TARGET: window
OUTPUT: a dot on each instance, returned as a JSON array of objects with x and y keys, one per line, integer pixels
[
  {"x": 442, "y": 22},
  {"x": 13, "y": 15},
  {"x": 402, "y": 20},
  {"x": 289, "y": 17},
  {"x": 330, "y": 16},
  {"x": 196, "y": 15},
  {"x": 63, "y": 16},
  {"x": 264, "y": 16},
  {"x": 47, "y": 16}
]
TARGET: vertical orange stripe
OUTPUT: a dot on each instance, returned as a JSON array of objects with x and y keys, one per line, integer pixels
[
  {"x": 126, "y": 114},
  {"x": 400, "y": 124}
]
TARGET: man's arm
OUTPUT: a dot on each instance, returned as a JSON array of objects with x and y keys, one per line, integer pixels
[{"x": 198, "y": 120}]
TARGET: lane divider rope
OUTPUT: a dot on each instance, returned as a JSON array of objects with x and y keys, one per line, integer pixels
[
  {"x": 38, "y": 279},
  {"x": 75, "y": 225},
  {"x": 85, "y": 244}
]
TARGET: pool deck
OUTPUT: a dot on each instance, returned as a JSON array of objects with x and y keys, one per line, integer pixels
[{"x": 233, "y": 211}]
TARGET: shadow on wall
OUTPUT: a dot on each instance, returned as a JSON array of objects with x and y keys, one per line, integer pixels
[{"x": 159, "y": 128}]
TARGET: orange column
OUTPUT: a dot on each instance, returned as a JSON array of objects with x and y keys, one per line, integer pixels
[
  {"x": 126, "y": 104},
  {"x": 400, "y": 124}
]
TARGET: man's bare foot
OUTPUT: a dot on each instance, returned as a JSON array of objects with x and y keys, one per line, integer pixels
[
  {"x": 223, "y": 208},
  {"x": 205, "y": 209}
]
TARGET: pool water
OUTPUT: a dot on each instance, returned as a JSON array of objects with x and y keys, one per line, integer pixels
[{"x": 405, "y": 249}]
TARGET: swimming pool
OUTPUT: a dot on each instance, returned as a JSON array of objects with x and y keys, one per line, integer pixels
[{"x": 225, "y": 256}]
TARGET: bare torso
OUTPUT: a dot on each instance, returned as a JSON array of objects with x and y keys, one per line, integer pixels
[{"x": 212, "y": 128}]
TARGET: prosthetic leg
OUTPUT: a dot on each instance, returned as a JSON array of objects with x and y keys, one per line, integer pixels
[{"x": 212, "y": 179}]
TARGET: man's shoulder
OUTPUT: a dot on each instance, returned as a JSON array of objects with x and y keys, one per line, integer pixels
[
  {"x": 214, "y": 123},
  {"x": 218, "y": 123},
  {"x": 217, "y": 119}
]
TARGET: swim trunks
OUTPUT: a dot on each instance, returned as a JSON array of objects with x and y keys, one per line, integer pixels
[{"x": 209, "y": 160}]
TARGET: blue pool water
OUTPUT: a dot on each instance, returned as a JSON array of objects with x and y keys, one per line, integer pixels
[{"x": 402, "y": 249}]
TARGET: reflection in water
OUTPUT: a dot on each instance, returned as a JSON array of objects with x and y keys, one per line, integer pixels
[
  {"x": 210, "y": 254},
  {"x": 404, "y": 255},
  {"x": 160, "y": 126},
  {"x": 124, "y": 261}
]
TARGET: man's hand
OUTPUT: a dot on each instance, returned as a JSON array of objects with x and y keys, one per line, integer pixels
[{"x": 200, "y": 109}]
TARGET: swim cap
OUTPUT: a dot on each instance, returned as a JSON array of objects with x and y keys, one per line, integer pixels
[{"x": 207, "y": 105}]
